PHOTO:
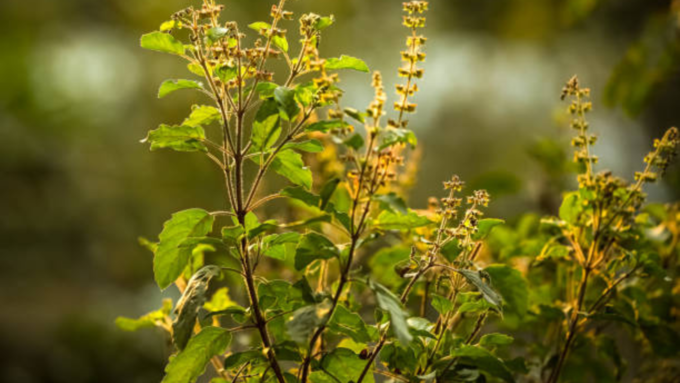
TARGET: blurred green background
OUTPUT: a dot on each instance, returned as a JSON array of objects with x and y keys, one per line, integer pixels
[{"x": 77, "y": 188}]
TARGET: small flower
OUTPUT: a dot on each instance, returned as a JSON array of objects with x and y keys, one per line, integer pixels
[{"x": 455, "y": 184}]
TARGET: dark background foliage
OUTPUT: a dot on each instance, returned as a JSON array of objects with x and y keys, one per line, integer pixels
[{"x": 77, "y": 189}]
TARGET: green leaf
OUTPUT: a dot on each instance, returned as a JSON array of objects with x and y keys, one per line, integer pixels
[
  {"x": 389, "y": 302},
  {"x": 492, "y": 340},
  {"x": 196, "y": 69},
  {"x": 571, "y": 208},
  {"x": 266, "y": 89},
  {"x": 314, "y": 246},
  {"x": 214, "y": 34},
  {"x": 300, "y": 194},
  {"x": 355, "y": 142},
  {"x": 341, "y": 365},
  {"x": 388, "y": 220},
  {"x": 285, "y": 97},
  {"x": 421, "y": 327},
  {"x": 171, "y": 259},
  {"x": 280, "y": 42},
  {"x": 302, "y": 323},
  {"x": 304, "y": 93},
  {"x": 451, "y": 250},
  {"x": 442, "y": 304},
  {"x": 384, "y": 262},
  {"x": 355, "y": 114},
  {"x": 402, "y": 357},
  {"x": 476, "y": 279},
  {"x": 327, "y": 191},
  {"x": 347, "y": 62},
  {"x": 485, "y": 361},
  {"x": 240, "y": 358},
  {"x": 512, "y": 287},
  {"x": 201, "y": 115},
  {"x": 162, "y": 42},
  {"x": 485, "y": 226},
  {"x": 226, "y": 73},
  {"x": 470, "y": 302},
  {"x": 348, "y": 323},
  {"x": 220, "y": 301},
  {"x": 289, "y": 164},
  {"x": 399, "y": 136},
  {"x": 190, "y": 363},
  {"x": 266, "y": 128},
  {"x": 170, "y": 86},
  {"x": 326, "y": 125},
  {"x": 280, "y": 246},
  {"x": 259, "y": 25},
  {"x": 310, "y": 146},
  {"x": 324, "y": 22},
  {"x": 188, "y": 305},
  {"x": 150, "y": 320},
  {"x": 392, "y": 202},
  {"x": 266, "y": 226},
  {"x": 179, "y": 138}
]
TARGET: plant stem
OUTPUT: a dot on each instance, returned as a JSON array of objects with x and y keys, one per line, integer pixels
[
  {"x": 260, "y": 321},
  {"x": 573, "y": 327},
  {"x": 469, "y": 340}
]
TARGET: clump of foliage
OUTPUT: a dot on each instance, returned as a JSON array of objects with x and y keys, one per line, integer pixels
[
  {"x": 354, "y": 284},
  {"x": 606, "y": 266}
]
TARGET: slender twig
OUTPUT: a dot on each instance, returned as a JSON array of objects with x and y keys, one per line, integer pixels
[
  {"x": 263, "y": 169},
  {"x": 469, "y": 340},
  {"x": 264, "y": 200},
  {"x": 573, "y": 326},
  {"x": 223, "y": 213},
  {"x": 240, "y": 371}
]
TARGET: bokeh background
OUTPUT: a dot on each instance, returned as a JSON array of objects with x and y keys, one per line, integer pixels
[{"x": 77, "y": 188}]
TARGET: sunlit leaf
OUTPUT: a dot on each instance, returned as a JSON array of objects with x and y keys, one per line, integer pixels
[
  {"x": 259, "y": 26},
  {"x": 150, "y": 320},
  {"x": 388, "y": 220},
  {"x": 179, "y": 138},
  {"x": 326, "y": 125},
  {"x": 310, "y": 146},
  {"x": 280, "y": 42},
  {"x": 202, "y": 115},
  {"x": 226, "y": 73},
  {"x": 347, "y": 62},
  {"x": 289, "y": 164},
  {"x": 571, "y": 208},
  {"x": 190, "y": 363},
  {"x": 162, "y": 42},
  {"x": 170, "y": 86},
  {"x": 324, "y": 22},
  {"x": 266, "y": 127},
  {"x": 171, "y": 259}
]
